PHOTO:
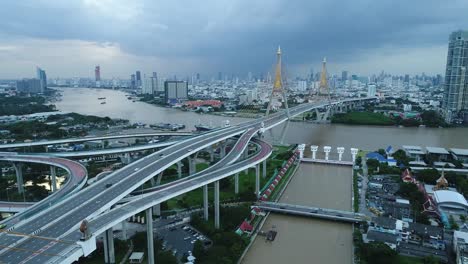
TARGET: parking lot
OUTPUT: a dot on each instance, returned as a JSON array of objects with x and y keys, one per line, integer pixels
[{"x": 180, "y": 239}]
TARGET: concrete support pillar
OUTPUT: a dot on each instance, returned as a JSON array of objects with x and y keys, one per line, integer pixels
[
  {"x": 246, "y": 152},
  {"x": 157, "y": 210},
  {"x": 179, "y": 169},
  {"x": 257, "y": 181},
  {"x": 124, "y": 229},
  {"x": 109, "y": 252},
  {"x": 264, "y": 169},
  {"x": 149, "y": 235},
  {"x": 211, "y": 154},
  {"x": 222, "y": 150},
  {"x": 314, "y": 150},
  {"x": 354, "y": 152},
  {"x": 205, "y": 202},
  {"x": 53, "y": 176},
  {"x": 301, "y": 149},
  {"x": 216, "y": 204},
  {"x": 327, "y": 150},
  {"x": 19, "y": 176},
  {"x": 192, "y": 165},
  {"x": 236, "y": 183},
  {"x": 340, "y": 151},
  {"x": 152, "y": 182}
]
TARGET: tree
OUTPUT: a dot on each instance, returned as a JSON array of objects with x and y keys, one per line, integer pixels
[
  {"x": 378, "y": 253},
  {"x": 166, "y": 257},
  {"x": 432, "y": 119},
  {"x": 430, "y": 260},
  {"x": 400, "y": 156},
  {"x": 428, "y": 176},
  {"x": 198, "y": 250}
]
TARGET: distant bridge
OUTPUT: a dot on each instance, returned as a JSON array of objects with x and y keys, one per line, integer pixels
[{"x": 314, "y": 212}]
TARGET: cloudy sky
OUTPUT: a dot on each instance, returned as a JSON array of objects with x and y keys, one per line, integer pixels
[{"x": 69, "y": 37}]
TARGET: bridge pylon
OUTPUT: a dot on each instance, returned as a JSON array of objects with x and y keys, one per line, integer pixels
[{"x": 278, "y": 90}]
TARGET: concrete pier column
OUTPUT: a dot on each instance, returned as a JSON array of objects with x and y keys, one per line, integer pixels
[
  {"x": 314, "y": 150},
  {"x": 327, "y": 150},
  {"x": 124, "y": 229},
  {"x": 192, "y": 165},
  {"x": 152, "y": 182},
  {"x": 354, "y": 152},
  {"x": 19, "y": 176},
  {"x": 301, "y": 149},
  {"x": 236, "y": 183},
  {"x": 211, "y": 150},
  {"x": 157, "y": 210},
  {"x": 264, "y": 169},
  {"x": 340, "y": 151},
  {"x": 216, "y": 204},
  {"x": 205, "y": 202},
  {"x": 149, "y": 235},
  {"x": 257, "y": 181},
  {"x": 179, "y": 169},
  {"x": 53, "y": 176},
  {"x": 109, "y": 252},
  {"x": 222, "y": 151},
  {"x": 246, "y": 152}
]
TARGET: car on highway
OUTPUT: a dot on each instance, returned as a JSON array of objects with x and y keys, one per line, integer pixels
[
  {"x": 136, "y": 169},
  {"x": 108, "y": 185},
  {"x": 2, "y": 226}
]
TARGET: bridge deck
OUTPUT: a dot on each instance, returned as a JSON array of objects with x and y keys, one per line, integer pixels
[{"x": 316, "y": 212}]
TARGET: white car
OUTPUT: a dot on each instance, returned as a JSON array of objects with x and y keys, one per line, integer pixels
[{"x": 136, "y": 169}]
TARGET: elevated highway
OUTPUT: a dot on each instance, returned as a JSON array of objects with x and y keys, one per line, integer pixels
[
  {"x": 92, "y": 138},
  {"x": 314, "y": 212},
  {"x": 76, "y": 179},
  {"x": 64, "y": 218}
]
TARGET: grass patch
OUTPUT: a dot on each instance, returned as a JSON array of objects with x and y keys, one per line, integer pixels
[{"x": 363, "y": 118}]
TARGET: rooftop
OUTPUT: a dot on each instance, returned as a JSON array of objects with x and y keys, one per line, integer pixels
[
  {"x": 385, "y": 222},
  {"x": 444, "y": 196},
  {"x": 436, "y": 150},
  {"x": 459, "y": 152},
  {"x": 382, "y": 237},
  {"x": 408, "y": 147}
]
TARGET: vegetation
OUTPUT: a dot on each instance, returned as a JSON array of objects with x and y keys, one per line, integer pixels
[
  {"x": 356, "y": 192},
  {"x": 19, "y": 105},
  {"x": 428, "y": 118},
  {"x": 363, "y": 118},
  {"x": 227, "y": 245},
  {"x": 410, "y": 191},
  {"x": 453, "y": 224}
]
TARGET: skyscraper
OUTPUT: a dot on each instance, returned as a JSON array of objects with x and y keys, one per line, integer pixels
[
  {"x": 132, "y": 81},
  {"x": 344, "y": 76},
  {"x": 455, "y": 102},
  {"x": 41, "y": 75},
  {"x": 97, "y": 73},
  {"x": 138, "y": 79}
]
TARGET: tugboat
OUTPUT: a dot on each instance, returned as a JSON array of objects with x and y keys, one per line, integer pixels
[
  {"x": 101, "y": 98},
  {"x": 103, "y": 102},
  {"x": 203, "y": 128}
]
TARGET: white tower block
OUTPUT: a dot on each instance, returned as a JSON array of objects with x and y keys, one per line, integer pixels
[
  {"x": 327, "y": 150},
  {"x": 340, "y": 151},
  {"x": 354, "y": 152},
  {"x": 301, "y": 149},
  {"x": 314, "y": 150}
]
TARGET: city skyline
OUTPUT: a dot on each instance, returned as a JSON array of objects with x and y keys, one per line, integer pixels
[{"x": 122, "y": 37}]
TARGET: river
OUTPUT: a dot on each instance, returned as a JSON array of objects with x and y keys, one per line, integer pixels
[
  {"x": 84, "y": 101},
  {"x": 299, "y": 240},
  {"x": 306, "y": 240}
]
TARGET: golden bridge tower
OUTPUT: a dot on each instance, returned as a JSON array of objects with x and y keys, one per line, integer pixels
[
  {"x": 324, "y": 89},
  {"x": 278, "y": 89}
]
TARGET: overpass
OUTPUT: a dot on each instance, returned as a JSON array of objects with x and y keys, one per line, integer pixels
[
  {"x": 64, "y": 218},
  {"x": 314, "y": 212},
  {"x": 76, "y": 179},
  {"x": 91, "y": 138}
]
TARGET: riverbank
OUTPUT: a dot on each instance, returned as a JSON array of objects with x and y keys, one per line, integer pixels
[{"x": 306, "y": 240}]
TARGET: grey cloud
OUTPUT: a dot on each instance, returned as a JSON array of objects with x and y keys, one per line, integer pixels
[{"x": 240, "y": 36}]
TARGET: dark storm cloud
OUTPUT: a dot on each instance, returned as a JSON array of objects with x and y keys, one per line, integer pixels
[{"x": 238, "y": 36}]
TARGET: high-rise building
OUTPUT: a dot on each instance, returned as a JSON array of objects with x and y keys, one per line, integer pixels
[
  {"x": 371, "y": 90},
  {"x": 97, "y": 73},
  {"x": 220, "y": 76},
  {"x": 455, "y": 102},
  {"x": 344, "y": 76},
  {"x": 29, "y": 86},
  {"x": 133, "y": 81},
  {"x": 175, "y": 91},
  {"x": 41, "y": 75},
  {"x": 138, "y": 79}
]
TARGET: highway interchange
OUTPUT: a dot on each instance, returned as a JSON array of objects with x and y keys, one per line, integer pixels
[{"x": 55, "y": 224}]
